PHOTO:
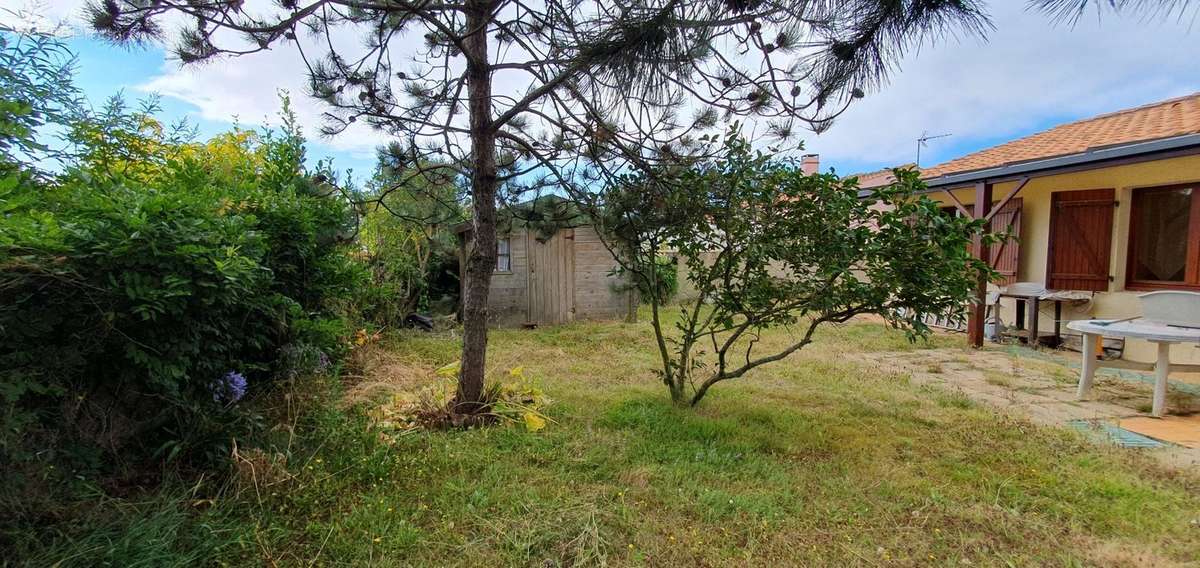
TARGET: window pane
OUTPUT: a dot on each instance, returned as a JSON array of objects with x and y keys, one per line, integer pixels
[
  {"x": 503, "y": 258},
  {"x": 1161, "y": 219}
]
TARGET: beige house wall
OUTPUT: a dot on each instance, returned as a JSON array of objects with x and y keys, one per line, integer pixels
[
  {"x": 1116, "y": 302},
  {"x": 508, "y": 300}
]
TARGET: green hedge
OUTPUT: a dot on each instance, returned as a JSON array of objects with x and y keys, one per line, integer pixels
[{"x": 138, "y": 309}]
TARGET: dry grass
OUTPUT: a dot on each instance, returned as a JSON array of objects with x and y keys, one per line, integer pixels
[{"x": 376, "y": 372}]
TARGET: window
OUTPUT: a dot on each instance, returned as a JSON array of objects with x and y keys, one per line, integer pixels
[
  {"x": 1164, "y": 237},
  {"x": 503, "y": 256}
]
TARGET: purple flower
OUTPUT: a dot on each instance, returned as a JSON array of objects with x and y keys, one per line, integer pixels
[{"x": 230, "y": 388}]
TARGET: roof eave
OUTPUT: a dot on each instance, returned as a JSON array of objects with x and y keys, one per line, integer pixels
[{"x": 1099, "y": 157}]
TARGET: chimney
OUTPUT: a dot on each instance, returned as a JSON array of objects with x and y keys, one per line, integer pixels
[{"x": 810, "y": 163}]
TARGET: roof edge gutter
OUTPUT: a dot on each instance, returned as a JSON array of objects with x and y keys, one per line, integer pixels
[{"x": 1090, "y": 159}]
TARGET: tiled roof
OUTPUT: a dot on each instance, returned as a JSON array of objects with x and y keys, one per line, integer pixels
[
  {"x": 878, "y": 178},
  {"x": 1166, "y": 119}
]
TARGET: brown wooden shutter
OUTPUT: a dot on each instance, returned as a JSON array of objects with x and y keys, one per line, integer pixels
[
  {"x": 1006, "y": 256},
  {"x": 1081, "y": 224}
]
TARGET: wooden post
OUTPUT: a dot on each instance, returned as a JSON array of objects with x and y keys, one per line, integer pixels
[
  {"x": 978, "y": 310},
  {"x": 1034, "y": 310}
]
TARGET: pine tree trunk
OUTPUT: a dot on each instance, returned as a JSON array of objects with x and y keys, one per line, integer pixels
[{"x": 481, "y": 258}]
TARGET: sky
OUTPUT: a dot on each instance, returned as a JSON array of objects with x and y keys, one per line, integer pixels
[{"x": 1028, "y": 74}]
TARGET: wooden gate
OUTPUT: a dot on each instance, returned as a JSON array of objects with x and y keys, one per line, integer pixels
[
  {"x": 551, "y": 277},
  {"x": 1081, "y": 224}
]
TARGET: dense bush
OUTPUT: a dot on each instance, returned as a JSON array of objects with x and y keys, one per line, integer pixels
[
  {"x": 153, "y": 284},
  {"x": 406, "y": 240}
]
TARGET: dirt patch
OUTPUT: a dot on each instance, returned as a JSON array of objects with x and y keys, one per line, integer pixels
[
  {"x": 1034, "y": 386},
  {"x": 1122, "y": 553}
]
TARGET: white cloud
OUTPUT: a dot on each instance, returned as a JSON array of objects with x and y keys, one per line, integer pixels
[
  {"x": 1027, "y": 72},
  {"x": 247, "y": 90}
]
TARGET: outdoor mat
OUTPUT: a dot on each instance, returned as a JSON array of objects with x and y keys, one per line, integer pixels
[
  {"x": 1182, "y": 430},
  {"x": 1105, "y": 432}
]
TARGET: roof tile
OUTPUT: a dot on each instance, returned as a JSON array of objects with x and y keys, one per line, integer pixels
[{"x": 1165, "y": 119}]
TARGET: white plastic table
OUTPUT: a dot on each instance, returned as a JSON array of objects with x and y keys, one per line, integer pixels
[{"x": 1161, "y": 334}]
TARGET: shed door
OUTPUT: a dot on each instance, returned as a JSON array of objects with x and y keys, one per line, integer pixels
[
  {"x": 1006, "y": 256},
  {"x": 551, "y": 277},
  {"x": 1081, "y": 224}
]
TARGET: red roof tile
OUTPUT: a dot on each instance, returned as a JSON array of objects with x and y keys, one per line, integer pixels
[{"x": 1166, "y": 119}]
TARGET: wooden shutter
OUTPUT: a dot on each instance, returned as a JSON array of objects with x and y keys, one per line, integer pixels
[
  {"x": 1006, "y": 256},
  {"x": 1081, "y": 224}
]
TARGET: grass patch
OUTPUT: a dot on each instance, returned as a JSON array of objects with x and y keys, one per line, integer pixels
[
  {"x": 998, "y": 378},
  {"x": 813, "y": 460}
]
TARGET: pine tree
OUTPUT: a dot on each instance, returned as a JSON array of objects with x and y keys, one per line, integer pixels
[
  {"x": 603, "y": 87},
  {"x": 1071, "y": 10}
]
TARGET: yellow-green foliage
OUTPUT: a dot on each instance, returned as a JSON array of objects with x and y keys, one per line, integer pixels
[{"x": 512, "y": 400}]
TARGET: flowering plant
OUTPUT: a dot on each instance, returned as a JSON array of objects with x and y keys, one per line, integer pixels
[{"x": 230, "y": 388}]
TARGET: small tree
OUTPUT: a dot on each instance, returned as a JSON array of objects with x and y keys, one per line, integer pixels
[{"x": 767, "y": 246}]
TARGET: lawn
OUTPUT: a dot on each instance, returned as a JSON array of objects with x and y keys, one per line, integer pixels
[{"x": 811, "y": 461}]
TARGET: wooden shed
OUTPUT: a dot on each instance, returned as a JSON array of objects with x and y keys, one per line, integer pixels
[{"x": 551, "y": 273}]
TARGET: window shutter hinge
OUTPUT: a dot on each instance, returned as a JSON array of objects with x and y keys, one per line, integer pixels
[{"x": 1116, "y": 203}]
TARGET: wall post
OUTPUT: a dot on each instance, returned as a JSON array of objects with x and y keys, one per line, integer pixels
[{"x": 977, "y": 310}]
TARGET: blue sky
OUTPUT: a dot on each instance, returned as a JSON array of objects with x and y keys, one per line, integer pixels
[
  {"x": 105, "y": 70},
  {"x": 1026, "y": 75}
]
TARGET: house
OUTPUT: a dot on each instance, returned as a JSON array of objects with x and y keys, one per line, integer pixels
[
  {"x": 1109, "y": 206},
  {"x": 551, "y": 267}
]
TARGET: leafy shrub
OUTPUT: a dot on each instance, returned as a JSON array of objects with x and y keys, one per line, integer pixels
[
  {"x": 139, "y": 304},
  {"x": 666, "y": 276},
  {"x": 36, "y": 88},
  {"x": 406, "y": 241}
]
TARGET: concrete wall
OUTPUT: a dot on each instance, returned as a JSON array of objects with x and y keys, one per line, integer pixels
[
  {"x": 1035, "y": 232},
  {"x": 508, "y": 300},
  {"x": 596, "y": 295}
]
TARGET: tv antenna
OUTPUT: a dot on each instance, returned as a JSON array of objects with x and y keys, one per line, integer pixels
[{"x": 923, "y": 141}]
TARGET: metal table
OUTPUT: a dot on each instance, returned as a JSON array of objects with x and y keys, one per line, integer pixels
[
  {"x": 1028, "y": 309},
  {"x": 1161, "y": 334}
]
